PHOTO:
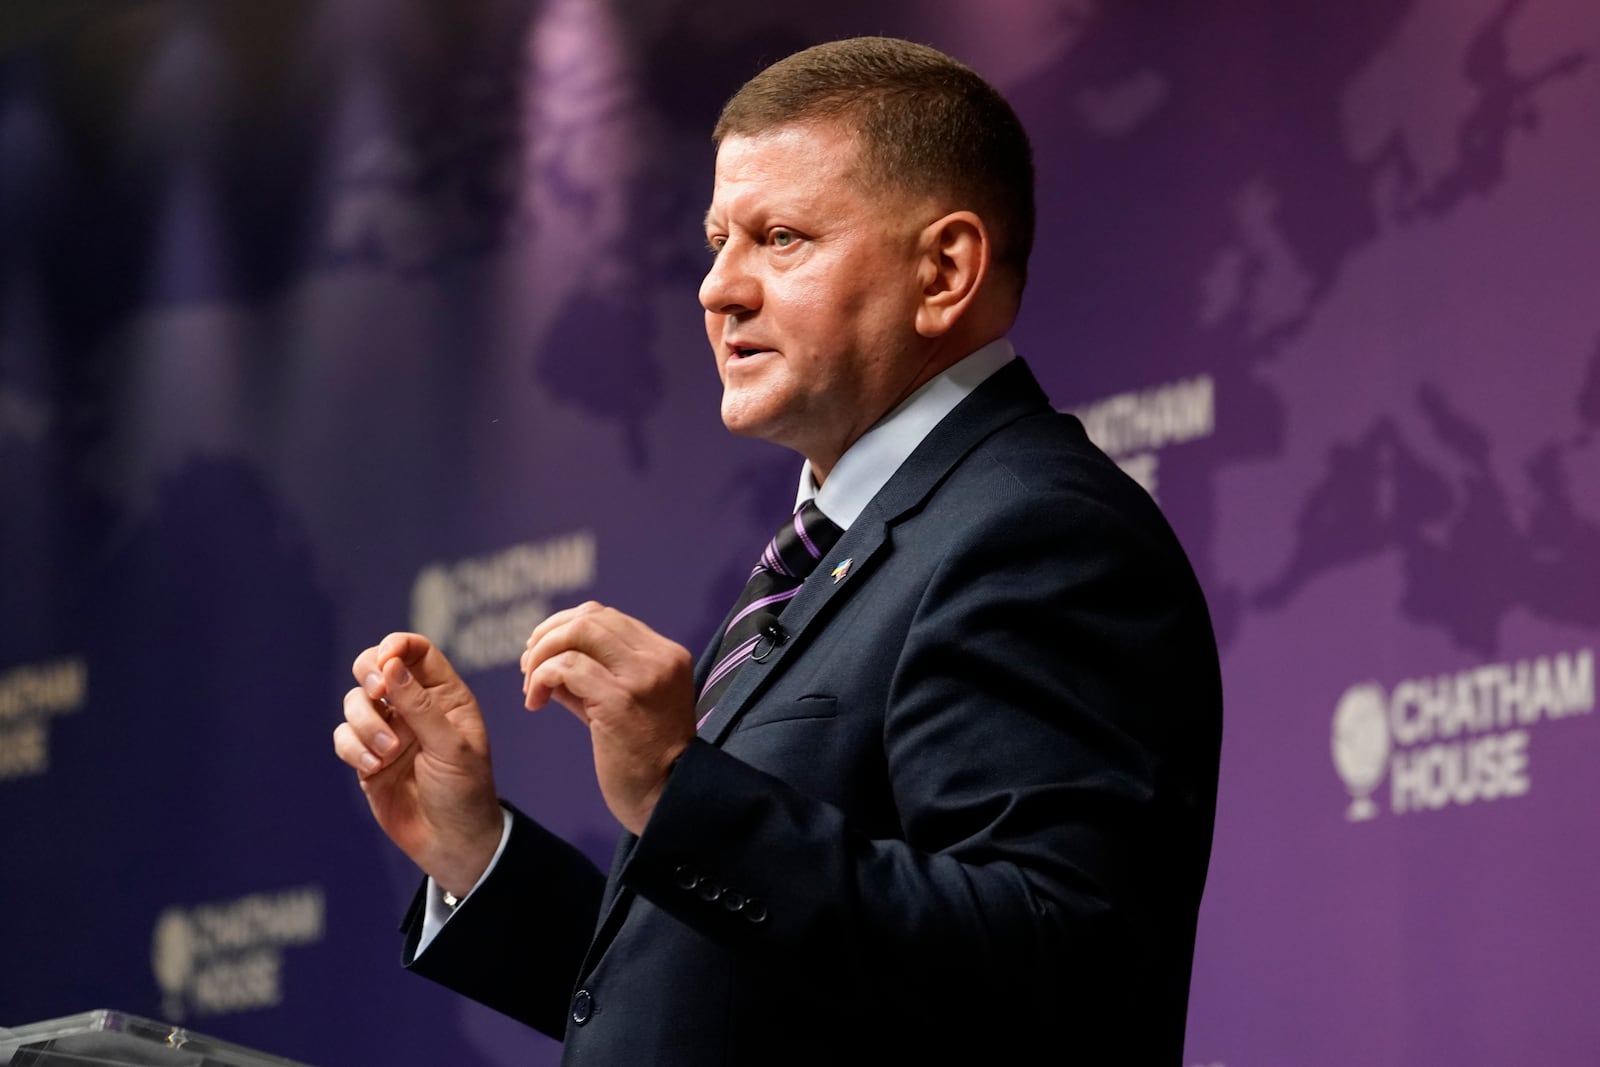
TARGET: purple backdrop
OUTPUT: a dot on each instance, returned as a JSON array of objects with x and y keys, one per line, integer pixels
[{"x": 319, "y": 320}]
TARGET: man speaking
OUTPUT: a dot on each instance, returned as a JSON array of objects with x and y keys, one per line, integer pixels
[{"x": 941, "y": 788}]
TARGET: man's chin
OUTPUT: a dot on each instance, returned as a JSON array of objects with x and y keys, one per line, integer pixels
[
  {"x": 744, "y": 421},
  {"x": 741, "y": 426}
]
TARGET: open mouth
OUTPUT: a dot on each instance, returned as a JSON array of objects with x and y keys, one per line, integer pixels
[{"x": 746, "y": 353}]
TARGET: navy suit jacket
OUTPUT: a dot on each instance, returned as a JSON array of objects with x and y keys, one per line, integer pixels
[{"x": 962, "y": 815}]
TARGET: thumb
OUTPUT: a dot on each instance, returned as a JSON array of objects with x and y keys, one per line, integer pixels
[
  {"x": 425, "y": 690},
  {"x": 419, "y": 657}
]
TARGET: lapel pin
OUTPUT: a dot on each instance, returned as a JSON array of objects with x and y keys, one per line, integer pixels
[{"x": 841, "y": 570}]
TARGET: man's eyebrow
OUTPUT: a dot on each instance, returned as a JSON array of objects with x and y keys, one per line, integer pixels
[{"x": 707, "y": 223}]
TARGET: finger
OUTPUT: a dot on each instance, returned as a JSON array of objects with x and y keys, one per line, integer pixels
[
  {"x": 538, "y": 682},
  {"x": 349, "y": 748},
  {"x": 550, "y": 639},
  {"x": 545, "y": 663},
  {"x": 554, "y": 687},
  {"x": 605, "y": 635},
  {"x": 561, "y": 618},
  {"x": 419, "y": 656},
  {"x": 384, "y": 736},
  {"x": 590, "y": 627},
  {"x": 572, "y": 680},
  {"x": 365, "y": 668},
  {"x": 436, "y": 712},
  {"x": 368, "y": 666}
]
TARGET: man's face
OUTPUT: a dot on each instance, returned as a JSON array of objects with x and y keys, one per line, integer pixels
[{"x": 811, "y": 300}]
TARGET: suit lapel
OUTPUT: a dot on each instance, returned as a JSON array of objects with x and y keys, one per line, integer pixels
[
  {"x": 860, "y": 544},
  {"x": 1009, "y": 394}
]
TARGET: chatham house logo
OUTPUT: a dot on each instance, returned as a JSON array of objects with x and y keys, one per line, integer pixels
[
  {"x": 1361, "y": 746},
  {"x": 1453, "y": 739},
  {"x": 228, "y": 956}
]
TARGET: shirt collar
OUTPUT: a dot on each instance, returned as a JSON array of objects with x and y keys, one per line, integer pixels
[{"x": 867, "y": 465}]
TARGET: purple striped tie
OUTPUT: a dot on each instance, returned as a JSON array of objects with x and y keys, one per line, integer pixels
[{"x": 791, "y": 555}]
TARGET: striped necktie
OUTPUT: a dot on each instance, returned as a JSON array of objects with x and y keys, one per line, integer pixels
[{"x": 791, "y": 555}]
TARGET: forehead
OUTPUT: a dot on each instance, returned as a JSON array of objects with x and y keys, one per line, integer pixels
[{"x": 791, "y": 166}]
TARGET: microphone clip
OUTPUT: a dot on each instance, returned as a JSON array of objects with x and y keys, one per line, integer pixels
[{"x": 773, "y": 635}]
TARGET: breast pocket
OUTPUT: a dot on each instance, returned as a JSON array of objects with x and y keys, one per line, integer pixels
[{"x": 766, "y": 712}]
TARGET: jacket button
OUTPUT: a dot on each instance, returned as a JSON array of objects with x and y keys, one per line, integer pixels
[
  {"x": 733, "y": 901},
  {"x": 708, "y": 890},
  {"x": 582, "y": 1007},
  {"x": 755, "y": 911},
  {"x": 685, "y": 876}
]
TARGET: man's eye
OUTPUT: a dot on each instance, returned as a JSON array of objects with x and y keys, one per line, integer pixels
[
  {"x": 782, "y": 238},
  {"x": 714, "y": 244}
]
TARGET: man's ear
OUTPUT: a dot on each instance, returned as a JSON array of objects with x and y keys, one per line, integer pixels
[{"x": 954, "y": 264}]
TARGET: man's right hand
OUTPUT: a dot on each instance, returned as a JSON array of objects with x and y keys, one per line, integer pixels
[{"x": 416, "y": 738}]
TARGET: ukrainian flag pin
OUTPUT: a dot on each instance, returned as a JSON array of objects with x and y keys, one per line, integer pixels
[{"x": 841, "y": 570}]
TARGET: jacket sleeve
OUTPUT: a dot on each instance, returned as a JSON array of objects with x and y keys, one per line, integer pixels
[{"x": 517, "y": 944}]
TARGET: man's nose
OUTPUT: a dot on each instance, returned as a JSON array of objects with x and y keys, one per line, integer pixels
[{"x": 728, "y": 287}]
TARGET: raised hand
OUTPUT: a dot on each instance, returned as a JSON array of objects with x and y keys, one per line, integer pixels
[
  {"x": 416, "y": 738},
  {"x": 631, "y": 686}
]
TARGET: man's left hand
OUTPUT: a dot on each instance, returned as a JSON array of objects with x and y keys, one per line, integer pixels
[{"x": 631, "y": 686}]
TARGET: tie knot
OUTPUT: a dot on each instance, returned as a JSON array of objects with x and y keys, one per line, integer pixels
[{"x": 801, "y": 543}]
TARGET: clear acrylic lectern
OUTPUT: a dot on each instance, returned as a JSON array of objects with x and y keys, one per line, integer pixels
[{"x": 117, "y": 1039}]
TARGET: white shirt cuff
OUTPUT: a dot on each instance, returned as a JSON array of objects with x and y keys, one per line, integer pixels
[{"x": 437, "y": 912}]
